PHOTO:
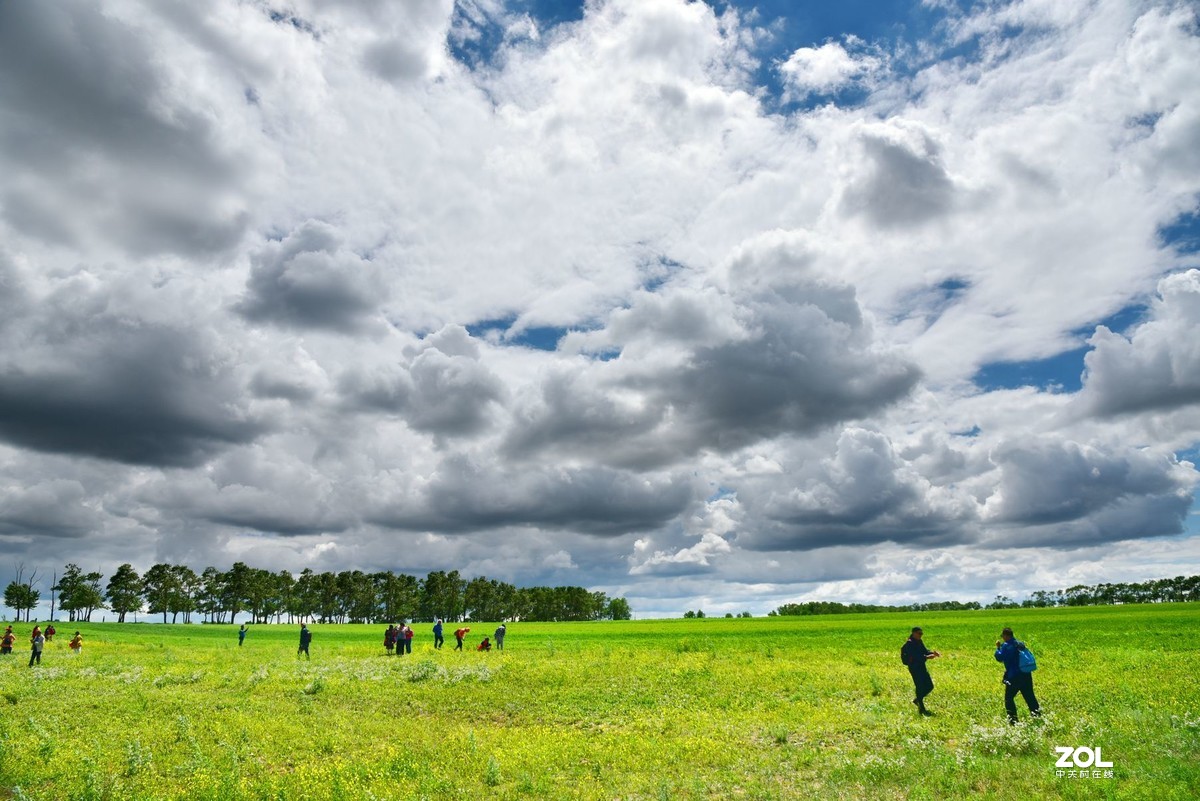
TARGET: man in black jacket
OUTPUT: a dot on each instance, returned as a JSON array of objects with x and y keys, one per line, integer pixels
[{"x": 915, "y": 655}]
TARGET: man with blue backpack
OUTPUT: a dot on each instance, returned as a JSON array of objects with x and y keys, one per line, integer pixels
[{"x": 1019, "y": 665}]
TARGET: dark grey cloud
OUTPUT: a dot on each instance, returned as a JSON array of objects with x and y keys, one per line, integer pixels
[
  {"x": 782, "y": 352},
  {"x": 904, "y": 182},
  {"x": 52, "y": 508},
  {"x": 1056, "y": 483},
  {"x": 89, "y": 381},
  {"x": 465, "y": 495},
  {"x": 442, "y": 387},
  {"x": 309, "y": 280},
  {"x": 864, "y": 493},
  {"x": 93, "y": 145}
]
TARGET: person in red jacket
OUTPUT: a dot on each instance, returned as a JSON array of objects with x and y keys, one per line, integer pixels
[
  {"x": 484, "y": 646},
  {"x": 458, "y": 635},
  {"x": 6, "y": 642},
  {"x": 389, "y": 639},
  {"x": 408, "y": 635}
]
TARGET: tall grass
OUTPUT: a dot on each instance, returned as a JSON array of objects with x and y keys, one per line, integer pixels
[{"x": 711, "y": 708}]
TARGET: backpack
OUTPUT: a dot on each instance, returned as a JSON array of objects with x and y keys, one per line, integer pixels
[
  {"x": 1026, "y": 661},
  {"x": 904, "y": 654}
]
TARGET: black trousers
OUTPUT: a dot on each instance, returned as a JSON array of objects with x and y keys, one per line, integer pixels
[
  {"x": 1023, "y": 684},
  {"x": 923, "y": 683},
  {"x": 35, "y": 656}
]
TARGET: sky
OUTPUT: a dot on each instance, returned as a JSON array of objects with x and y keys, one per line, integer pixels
[{"x": 707, "y": 305}]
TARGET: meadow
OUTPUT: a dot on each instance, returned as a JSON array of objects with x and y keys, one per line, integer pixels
[{"x": 759, "y": 708}]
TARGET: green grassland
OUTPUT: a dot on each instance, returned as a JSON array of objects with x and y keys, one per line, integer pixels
[{"x": 762, "y": 708}]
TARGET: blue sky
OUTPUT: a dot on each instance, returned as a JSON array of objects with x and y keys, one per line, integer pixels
[{"x": 711, "y": 306}]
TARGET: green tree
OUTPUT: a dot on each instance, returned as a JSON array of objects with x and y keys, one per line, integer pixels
[
  {"x": 304, "y": 603},
  {"x": 285, "y": 588},
  {"x": 618, "y": 609},
  {"x": 442, "y": 596},
  {"x": 187, "y": 586},
  {"x": 236, "y": 589},
  {"x": 21, "y": 598},
  {"x": 160, "y": 588},
  {"x": 209, "y": 598},
  {"x": 124, "y": 593}
]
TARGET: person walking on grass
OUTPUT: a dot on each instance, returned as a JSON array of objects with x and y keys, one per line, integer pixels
[
  {"x": 500, "y": 632},
  {"x": 7, "y": 641},
  {"x": 241, "y": 635},
  {"x": 915, "y": 655},
  {"x": 458, "y": 635},
  {"x": 76, "y": 644},
  {"x": 408, "y": 637},
  {"x": 1008, "y": 651},
  {"x": 305, "y": 639},
  {"x": 38, "y": 642},
  {"x": 438, "y": 639}
]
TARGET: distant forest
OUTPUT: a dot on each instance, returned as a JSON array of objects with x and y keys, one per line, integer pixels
[
  {"x": 177, "y": 592},
  {"x": 1180, "y": 588}
]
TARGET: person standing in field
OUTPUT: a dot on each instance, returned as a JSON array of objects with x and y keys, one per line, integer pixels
[
  {"x": 500, "y": 632},
  {"x": 458, "y": 635},
  {"x": 915, "y": 655},
  {"x": 241, "y": 635},
  {"x": 76, "y": 644},
  {"x": 38, "y": 642},
  {"x": 50, "y": 632},
  {"x": 1008, "y": 651},
  {"x": 438, "y": 639},
  {"x": 305, "y": 639},
  {"x": 7, "y": 641},
  {"x": 408, "y": 638},
  {"x": 389, "y": 638}
]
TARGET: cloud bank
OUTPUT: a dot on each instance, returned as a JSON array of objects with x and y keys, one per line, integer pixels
[{"x": 621, "y": 301}]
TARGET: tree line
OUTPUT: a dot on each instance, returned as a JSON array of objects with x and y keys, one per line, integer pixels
[
  {"x": 179, "y": 593},
  {"x": 836, "y": 608},
  {"x": 1180, "y": 588}
]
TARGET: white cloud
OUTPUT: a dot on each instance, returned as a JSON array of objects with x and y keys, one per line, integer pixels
[
  {"x": 250, "y": 254},
  {"x": 827, "y": 69}
]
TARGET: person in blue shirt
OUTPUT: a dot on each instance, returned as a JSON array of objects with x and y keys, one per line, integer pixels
[
  {"x": 1008, "y": 651},
  {"x": 437, "y": 634}
]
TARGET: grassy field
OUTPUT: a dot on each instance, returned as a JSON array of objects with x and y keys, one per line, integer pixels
[{"x": 715, "y": 708}]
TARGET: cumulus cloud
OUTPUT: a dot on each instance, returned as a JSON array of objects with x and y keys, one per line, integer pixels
[
  {"x": 463, "y": 495},
  {"x": 827, "y": 69},
  {"x": 901, "y": 179},
  {"x": 440, "y": 387},
  {"x": 98, "y": 149},
  {"x": 251, "y": 254},
  {"x": 862, "y": 492},
  {"x": 1156, "y": 368},
  {"x": 309, "y": 280},
  {"x": 779, "y": 349},
  {"x": 81, "y": 376},
  {"x": 1065, "y": 494}
]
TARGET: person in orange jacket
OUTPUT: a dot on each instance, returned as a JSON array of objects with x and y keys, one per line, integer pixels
[{"x": 458, "y": 635}]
